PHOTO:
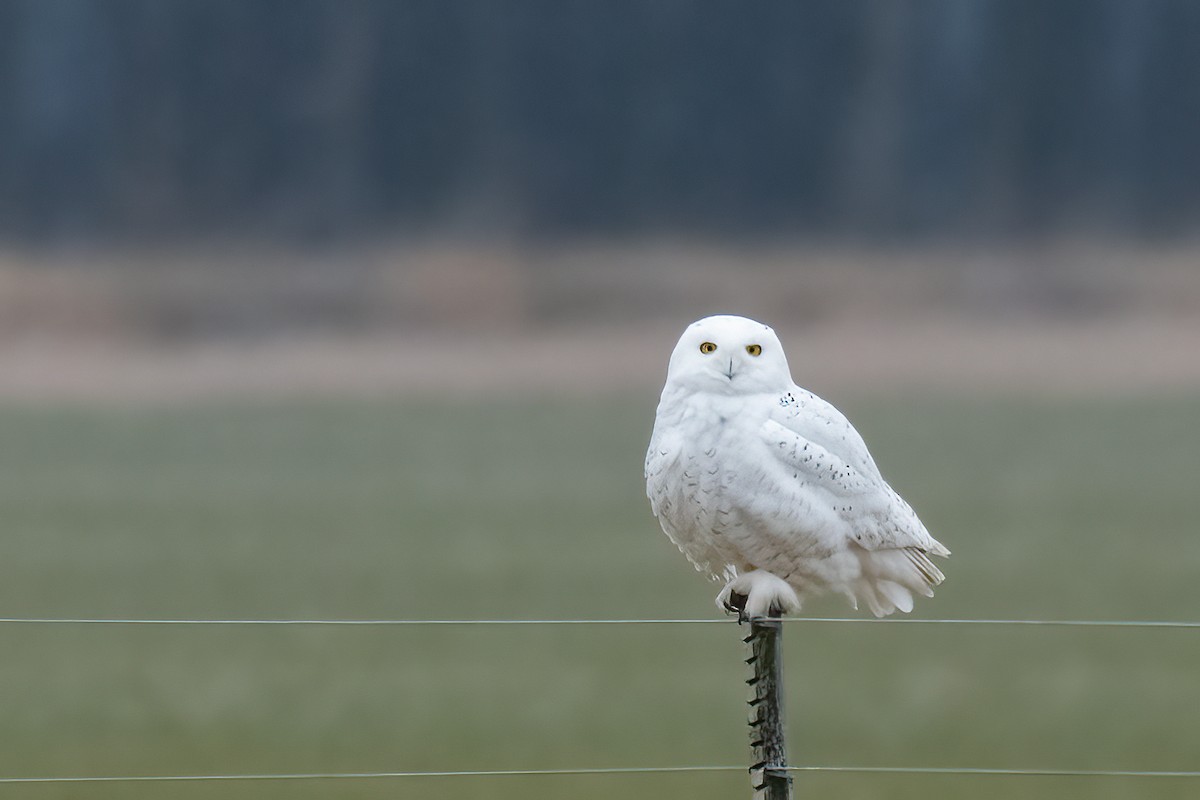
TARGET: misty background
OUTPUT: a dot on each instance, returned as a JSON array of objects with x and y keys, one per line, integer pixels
[{"x": 343, "y": 309}]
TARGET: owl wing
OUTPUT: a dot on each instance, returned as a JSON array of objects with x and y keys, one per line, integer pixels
[
  {"x": 818, "y": 445},
  {"x": 828, "y": 458}
]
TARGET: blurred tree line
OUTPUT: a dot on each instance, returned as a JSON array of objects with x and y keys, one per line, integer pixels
[{"x": 322, "y": 119}]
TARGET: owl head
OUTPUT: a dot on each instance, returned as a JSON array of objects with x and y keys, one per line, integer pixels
[{"x": 729, "y": 355}]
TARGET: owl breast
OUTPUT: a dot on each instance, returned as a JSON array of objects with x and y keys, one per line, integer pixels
[{"x": 707, "y": 489}]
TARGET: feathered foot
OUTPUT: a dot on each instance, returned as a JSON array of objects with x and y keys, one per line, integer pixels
[{"x": 758, "y": 594}]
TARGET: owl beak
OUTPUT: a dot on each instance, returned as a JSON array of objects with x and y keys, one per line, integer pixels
[{"x": 730, "y": 373}]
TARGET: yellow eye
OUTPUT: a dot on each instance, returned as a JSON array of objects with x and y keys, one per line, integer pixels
[
  {"x": 707, "y": 347},
  {"x": 754, "y": 349}
]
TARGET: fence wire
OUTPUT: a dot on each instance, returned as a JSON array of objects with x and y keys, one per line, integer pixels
[
  {"x": 496, "y": 773},
  {"x": 1070, "y": 623}
]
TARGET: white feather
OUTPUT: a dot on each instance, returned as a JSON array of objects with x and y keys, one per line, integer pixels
[{"x": 747, "y": 471}]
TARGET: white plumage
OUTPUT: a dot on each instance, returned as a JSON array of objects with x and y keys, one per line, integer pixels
[{"x": 766, "y": 486}]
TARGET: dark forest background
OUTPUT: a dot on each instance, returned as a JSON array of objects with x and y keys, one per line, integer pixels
[{"x": 312, "y": 120}]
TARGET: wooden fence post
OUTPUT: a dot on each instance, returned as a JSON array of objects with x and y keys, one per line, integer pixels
[{"x": 768, "y": 772}]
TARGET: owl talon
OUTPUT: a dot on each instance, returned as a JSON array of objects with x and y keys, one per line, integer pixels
[
  {"x": 758, "y": 593},
  {"x": 735, "y": 603}
]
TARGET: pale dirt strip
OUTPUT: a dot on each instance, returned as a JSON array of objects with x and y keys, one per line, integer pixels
[{"x": 1117, "y": 356}]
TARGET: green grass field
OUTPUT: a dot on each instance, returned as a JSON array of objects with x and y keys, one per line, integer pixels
[{"x": 467, "y": 509}]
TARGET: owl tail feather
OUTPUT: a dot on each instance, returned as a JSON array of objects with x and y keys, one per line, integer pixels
[{"x": 891, "y": 577}]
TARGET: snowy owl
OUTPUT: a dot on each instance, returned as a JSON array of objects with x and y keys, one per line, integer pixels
[{"x": 769, "y": 488}]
